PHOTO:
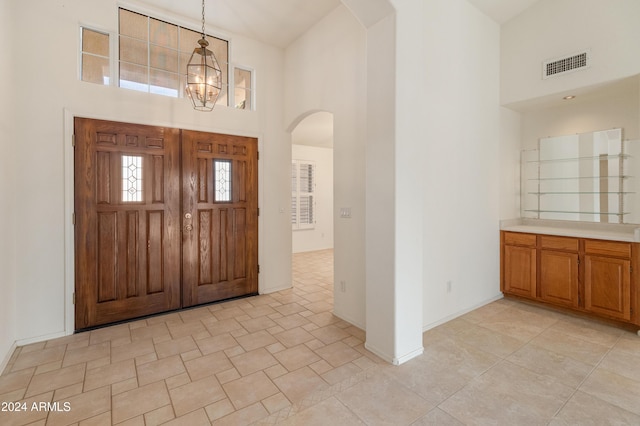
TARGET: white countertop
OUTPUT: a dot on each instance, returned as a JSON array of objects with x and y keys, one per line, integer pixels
[{"x": 599, "y": 231}]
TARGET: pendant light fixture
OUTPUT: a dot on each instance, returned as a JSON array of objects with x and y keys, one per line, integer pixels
[{"x": 204, "y": 77}]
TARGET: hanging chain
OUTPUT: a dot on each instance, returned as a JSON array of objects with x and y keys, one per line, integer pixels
[{"x": 202, "y": 18}]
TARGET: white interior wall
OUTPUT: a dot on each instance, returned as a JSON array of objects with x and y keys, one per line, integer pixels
[
  {"x": 380, "y": 189},
  {"x": 8, "y": 207},
  {"x": 510, "y": 146},
  {"x": 461, "y": 160},
  {"x": 614, "y": 108},
  {"x": 321, "y": 236},
  {"x": 324, "y": 71},
  {"x": 555, "y": 28},
  {"x": 40, "y": 148}
]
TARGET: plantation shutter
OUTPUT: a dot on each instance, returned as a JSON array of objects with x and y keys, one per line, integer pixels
[{"x": 303, "y": 197}]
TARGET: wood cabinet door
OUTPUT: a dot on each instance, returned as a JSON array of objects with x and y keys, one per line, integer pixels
[
  {"x": 607, "y": 286},
  {"x": 520, "y": 271},
  {"x": 127, "y": 221},
  {"x": 559, "y": 277},
  {"x": 219, "y": 214}
]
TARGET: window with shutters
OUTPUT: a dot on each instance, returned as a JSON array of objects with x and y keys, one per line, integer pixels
[{"x": 303, "y": 185}]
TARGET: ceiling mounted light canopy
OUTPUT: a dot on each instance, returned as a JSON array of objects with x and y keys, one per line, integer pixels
[{"x": 204, "y": 77}]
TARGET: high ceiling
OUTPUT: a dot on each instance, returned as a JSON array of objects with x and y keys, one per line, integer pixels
[
  {"x": 502, "y": 10},
  {"x": 280, "y": 22},
  {"x": 277, "y": 22}
]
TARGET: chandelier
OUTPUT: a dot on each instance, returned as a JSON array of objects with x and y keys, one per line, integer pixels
[{"x": 204, "y": 77}]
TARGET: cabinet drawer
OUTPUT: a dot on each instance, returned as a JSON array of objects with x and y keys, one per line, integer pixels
[
  {"x": 608, "y": 248},
  {"x": 559, "y": 243},
  {"x": 518, "y": 239}
]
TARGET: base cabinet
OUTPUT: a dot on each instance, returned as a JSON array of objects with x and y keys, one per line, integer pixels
[
  {"x": 520, "y": 272},
  {"x": 559, "y": 277},
  {"x": 592, "y": 276},
  {"x": 607, "y": 286}
]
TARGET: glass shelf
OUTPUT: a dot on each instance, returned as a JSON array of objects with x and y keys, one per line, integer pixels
[
  {"x": 596, "y": 157},
  {"x": 580, "y": 193},
  {"x": 574, "y": 212},
  {"x": 581, "y": 177}
]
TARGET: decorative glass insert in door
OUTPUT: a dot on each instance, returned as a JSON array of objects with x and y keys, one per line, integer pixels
[
  {"x": 222, "y": 176},
  {"x": 131, "y": 178}
]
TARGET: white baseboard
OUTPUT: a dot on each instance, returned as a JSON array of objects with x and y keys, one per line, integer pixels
[
  {"x": 23, "y": 342},
  {"x": 460, "y": 313},
  {"x": 7, "y": 357}
]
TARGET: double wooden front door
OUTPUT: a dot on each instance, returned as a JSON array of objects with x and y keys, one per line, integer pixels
[{"x": 164, "y": 219}]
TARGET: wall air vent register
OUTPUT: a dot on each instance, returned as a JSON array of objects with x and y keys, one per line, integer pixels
[{"x": 559, "y": 66}]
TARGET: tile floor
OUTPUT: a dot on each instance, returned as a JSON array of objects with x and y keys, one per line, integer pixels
[{"x": 284, "y": 358}]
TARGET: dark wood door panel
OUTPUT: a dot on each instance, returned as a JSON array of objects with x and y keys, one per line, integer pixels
[
  {"x": 127, "y": 197},
  {"x": 220, "y": 203}
]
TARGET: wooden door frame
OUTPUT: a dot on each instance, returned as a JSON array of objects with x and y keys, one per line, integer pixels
[{"x": 69, "y": 195}]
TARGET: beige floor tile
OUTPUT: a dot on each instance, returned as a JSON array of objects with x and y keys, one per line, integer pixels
[
  {"x": 291, "y": 321},
  {"x": 329, "y": 411},
  {"x": 256, "y": 360},
  {"x": 228, "y": 313},
  {"x": 290, "y": 308},
  {"x": 228, "y": 376},
  {"x": 132, "y": 350},
  {"x": 383, "y": 400},
  {"x": 216, "y": 343},
  {"x": 195, "y": 418},
  {"x": 107, "y": 334},
  {"x": 508, "y": 394},
  {"x": 250, "y": 389},
  {"x": 175, "y": 347},
  {"x": 245, "y": 416},
  {"x": 14, "y": 381},
  {"x": 184, "y": 357},
  {"x": 109, "y": 374},
  {"x": 584, "y": 409},
  {"x": 159, "y": 370},
  {"x": 33, "y": 359},
  {"x": 259, "y": 311},
  {"x": 193, "y": 328},
  {"x": 330, "y": 334},
  {"x": 215, "y": 326},
  {"x": 566, "y": 344},
  {"x": 219, "y": 409},
  {"x": 437, "y": 417},
  {"x": 300, "y": 384},
  {"x": 159, "y": 416},
  {"x": 56, "y": 379},
  {"x": 276, "y": 403},
  {"x": 518, "y": 323},
  {"x": 294, "y": 337},
  {"x": 341, "y": 373},
  {"x": 588, "y": 330},
  {"x": 150, "y": 332},
  {"x": 68, "y": 391},
  {"x": 81, "y": 407},
  {"x": 138, "y": 401},
  {"x": 614, "y": 389},
  {"x": 545, "y": 362},
  {"x": 622, "y": 362},
  {"x": 177, "y": 381},
  {"x": 338, "y": 354},
  {"x": 297, "y": 357},
  {"x": 25, "y": 415},
  {"x": 103, "y": 419},
  {"x": 490, "y": 341},
  {"x": 256, "y": 340},
  {"x": 196, "y": 395}
]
